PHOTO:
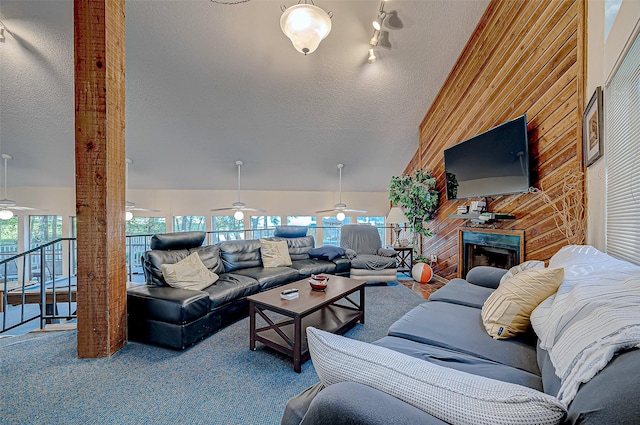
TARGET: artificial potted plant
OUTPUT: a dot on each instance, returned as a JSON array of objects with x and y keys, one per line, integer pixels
[{"x": 418, "y": 198}]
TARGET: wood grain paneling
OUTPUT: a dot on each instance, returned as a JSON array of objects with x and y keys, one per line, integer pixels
[
  {"x": 523, "y": 57},
  {"x": 99, "y": 35}
]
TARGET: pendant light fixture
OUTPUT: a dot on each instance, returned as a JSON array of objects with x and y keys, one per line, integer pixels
[{"x": 306, "y": 25}]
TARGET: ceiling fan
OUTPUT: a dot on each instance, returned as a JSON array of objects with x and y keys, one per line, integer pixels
[
  {"x": 130, "y": 206},
  {"x": 239, "y": 207},
  {"x": 341, "y": 208},
  {"x": 7, "y": 205}
]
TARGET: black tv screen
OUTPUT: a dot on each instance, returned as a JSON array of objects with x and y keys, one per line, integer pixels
[{"x": 495, "y": 162}]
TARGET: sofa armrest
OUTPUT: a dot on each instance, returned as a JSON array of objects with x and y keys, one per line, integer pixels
[
  {"x": 349, "y": 403},
  {"x": 384, "y": 252},
  {"x": 166, "y": 304},
  {"x": 486, "y": 276}
]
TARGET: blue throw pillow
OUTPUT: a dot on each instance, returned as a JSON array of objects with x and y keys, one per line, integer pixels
[{"x": 326, "y": 252}]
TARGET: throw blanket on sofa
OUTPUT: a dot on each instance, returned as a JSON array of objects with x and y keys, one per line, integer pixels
[{"x": 594, "y": 314}]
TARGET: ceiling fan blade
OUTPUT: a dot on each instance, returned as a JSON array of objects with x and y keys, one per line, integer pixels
[
  {"x": 325, "y": 211},
  {"x": 252, "y": 209},
  {"x": 224, "y": 209},
  {"x": 143, "y": 209},
  {"x": 19, "y": 208},
  {"x": 355, "y": 211}
]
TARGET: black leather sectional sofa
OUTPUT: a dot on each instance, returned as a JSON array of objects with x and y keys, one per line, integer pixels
[{"x": 176, "y": 318}]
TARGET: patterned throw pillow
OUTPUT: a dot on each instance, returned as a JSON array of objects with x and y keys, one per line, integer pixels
[
  {"x": 450, "y": 395},
  {"x": 189, "y": 273},
  {"x": 531, "y": 264},
  {"x": 274, "y": 253},
  {"x": 507, "y": 311}
]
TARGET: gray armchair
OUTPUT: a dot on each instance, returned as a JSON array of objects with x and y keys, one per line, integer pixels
[{"x": 369, "y": 261}]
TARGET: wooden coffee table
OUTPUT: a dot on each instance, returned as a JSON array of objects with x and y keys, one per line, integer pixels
[{"x": 311, "y": 308}]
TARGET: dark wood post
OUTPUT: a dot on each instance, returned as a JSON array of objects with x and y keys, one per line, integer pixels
[{"x": 99, "y": 41}]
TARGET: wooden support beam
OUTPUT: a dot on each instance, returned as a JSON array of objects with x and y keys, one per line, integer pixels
[{"x": 99, "y": 41}]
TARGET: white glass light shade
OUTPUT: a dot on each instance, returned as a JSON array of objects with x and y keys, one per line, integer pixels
[
  {"x": 396, "y": 215},
  {"x": 238, "y": 215},
  {"x": 340, "y": 216},
  {"x": 6, "y": 214},
  {"x": 128, "y": 215},
  {"x": 306, "y": 25}
]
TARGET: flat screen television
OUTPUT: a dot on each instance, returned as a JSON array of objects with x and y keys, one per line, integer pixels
[{"x": 492, "y": 163}]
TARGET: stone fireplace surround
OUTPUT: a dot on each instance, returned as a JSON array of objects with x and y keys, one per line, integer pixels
[{"x": 489, "y": 247}]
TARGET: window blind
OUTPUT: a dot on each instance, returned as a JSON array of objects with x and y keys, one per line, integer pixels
[{"x": 622, "y": 156}]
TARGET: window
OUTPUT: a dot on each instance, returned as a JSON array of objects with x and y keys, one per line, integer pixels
[
  {"x": 146, "y": 225},
  {"x": 9, "y": 248},
  {"x": 227, "y": 228},
  {"x": 263, "y": 226},
  {"x": 331, "y": 230},
  {"x": 379, "y": 222},
  {"x": 43, "y": 229},
  {"x": 622, "y": 155},
  {"x": 611, "y": 8},
  {"x": 189, "y": 223}
]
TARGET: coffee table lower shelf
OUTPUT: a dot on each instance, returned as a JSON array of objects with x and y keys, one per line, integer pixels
[{"x": 334, "y": 318}]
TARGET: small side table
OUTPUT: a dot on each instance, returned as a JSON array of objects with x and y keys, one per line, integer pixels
[{"x": 404, "y": 258}]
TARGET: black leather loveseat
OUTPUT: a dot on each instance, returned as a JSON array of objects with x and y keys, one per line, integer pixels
[{"x": 176, "y": 318}]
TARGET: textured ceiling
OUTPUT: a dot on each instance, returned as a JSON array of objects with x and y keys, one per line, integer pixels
[{"x": 208, "y": 84}]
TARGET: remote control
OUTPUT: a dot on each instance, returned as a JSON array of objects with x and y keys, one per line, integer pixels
[{"x": 288, "y": 291}]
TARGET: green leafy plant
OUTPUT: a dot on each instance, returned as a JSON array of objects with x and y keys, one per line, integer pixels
[{"x": 418, "y": 198}]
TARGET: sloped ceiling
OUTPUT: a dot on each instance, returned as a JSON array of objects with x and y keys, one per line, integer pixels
[{"x": 208, "y": 84}]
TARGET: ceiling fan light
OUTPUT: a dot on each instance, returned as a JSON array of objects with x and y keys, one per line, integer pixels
[
  {"x": 238, "y": 215},
  {"x": 6, "y": 214},
  {"x": 128, "y": 215},
  {"x": 340, "y": 216},
  {"x": 372, "y": 56},
  {"x": 306, "y": 25}
]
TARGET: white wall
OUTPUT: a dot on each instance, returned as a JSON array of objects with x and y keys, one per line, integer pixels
[{"x": 602, "y": 58}]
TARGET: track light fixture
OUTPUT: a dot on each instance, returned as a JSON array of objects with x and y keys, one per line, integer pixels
[{"x": 372, "y": 56}]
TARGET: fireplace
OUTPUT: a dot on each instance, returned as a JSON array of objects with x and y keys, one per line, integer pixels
[{"x": 489, "y": 247}]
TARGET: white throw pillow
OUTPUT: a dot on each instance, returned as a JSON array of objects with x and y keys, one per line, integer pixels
[
  {"x": 450, "y": 395},
  {"x": 188, "y": 273}
]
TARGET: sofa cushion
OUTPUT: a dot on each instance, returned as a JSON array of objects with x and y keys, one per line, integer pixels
[
  {"x": 298, "y": 247},
  {"x": 290, "y": 231},
  {"x": 231, "y": 287},
  {"x": 274, "y": 253},
  {"x": 240, "y": 254},
  {"x": 460, "y": 361},
  {"x": 188, "y": 273},
  {"x": 269, "y": 278},
  {"x": 459, "y": 291},
  {"x": 153, "y": 260},
  {"x": 313, "y": 266},
  {"x": 210, "y": 256},
  {"x": 460, "y": 328},
  {"x": 373, "y": 262},
  {"x": 507, "y": 311},
  {"x": 177, "y": 240},
  {"x": 450, "y": 395}
]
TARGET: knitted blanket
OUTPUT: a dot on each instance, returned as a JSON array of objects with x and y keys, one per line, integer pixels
[{"x": 594, "y": 314}]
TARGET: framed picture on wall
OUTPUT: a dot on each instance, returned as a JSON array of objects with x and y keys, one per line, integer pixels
[{"x": 592, "y": 129}]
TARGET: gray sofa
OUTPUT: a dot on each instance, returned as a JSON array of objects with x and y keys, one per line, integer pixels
[
  {"x": 448, "y": 331},
  {"x": 177, "y": 318}
]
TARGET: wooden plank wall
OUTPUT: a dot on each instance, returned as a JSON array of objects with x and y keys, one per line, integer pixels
[{"x": 524, "y": 57}]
